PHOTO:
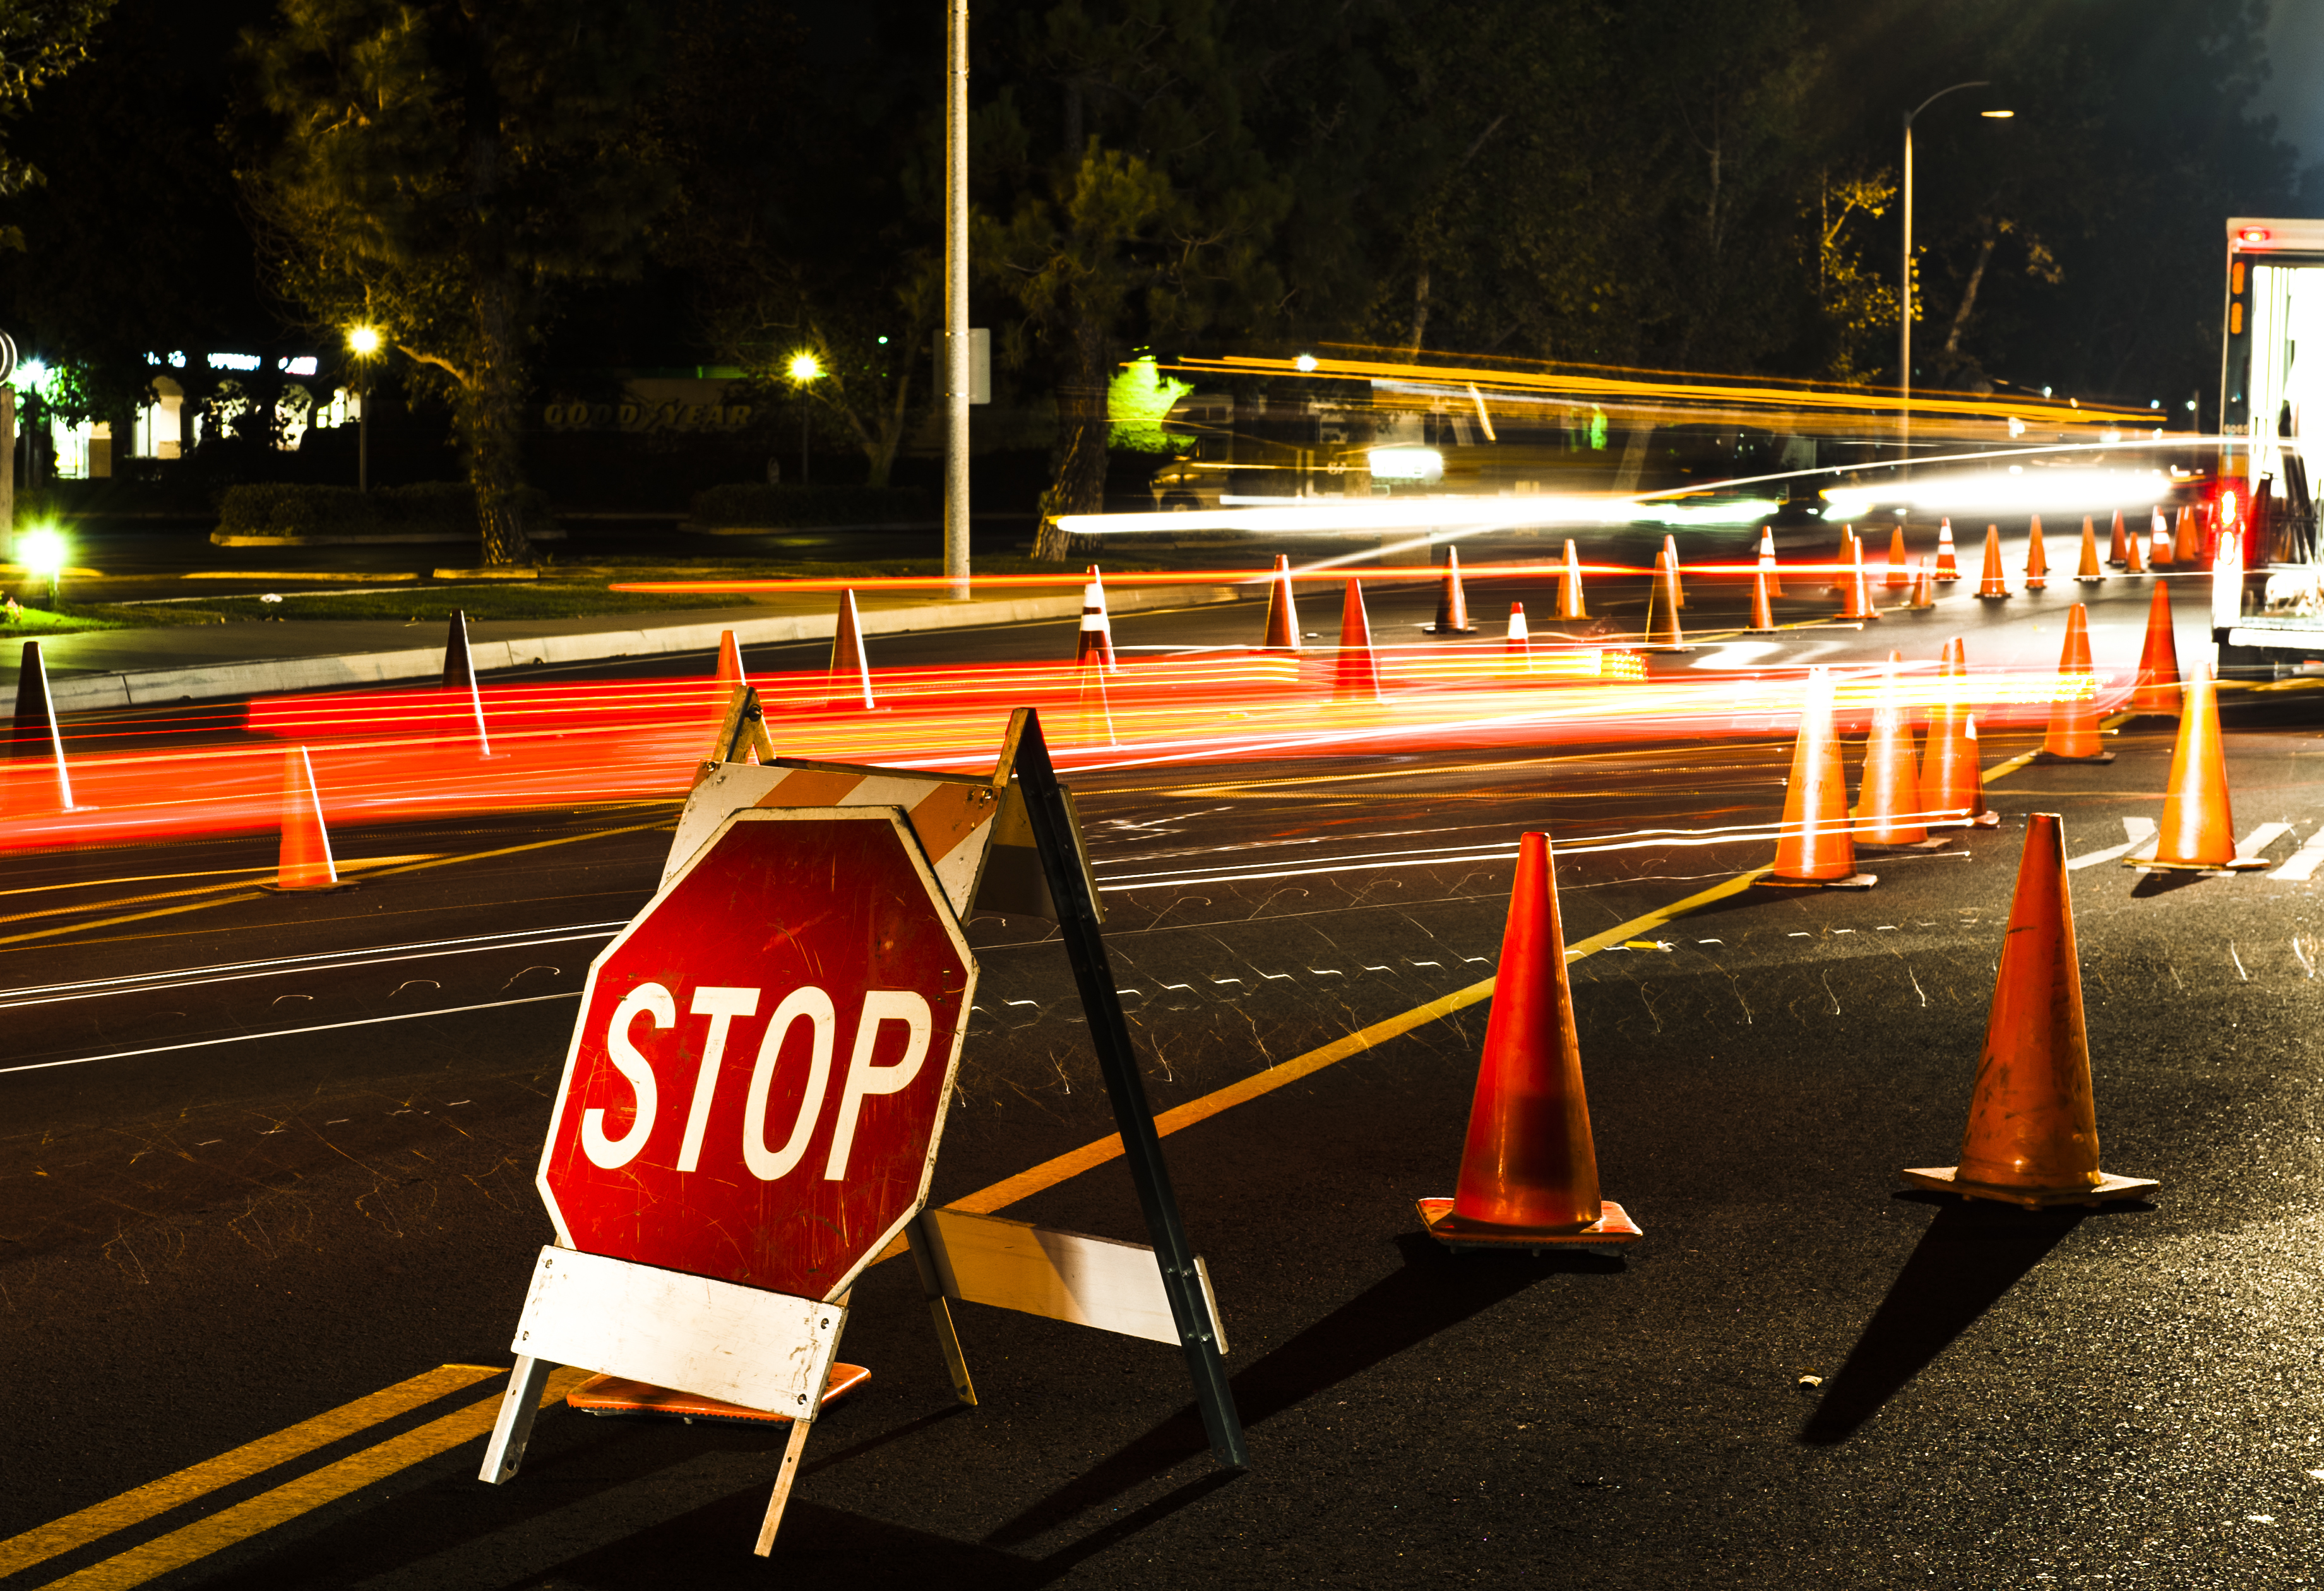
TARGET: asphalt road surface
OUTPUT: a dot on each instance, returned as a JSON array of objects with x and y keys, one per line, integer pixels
[{"x": 268, "y": 1156}]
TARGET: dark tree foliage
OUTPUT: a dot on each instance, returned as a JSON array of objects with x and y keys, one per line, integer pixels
[
  {"x": 435, "y": 168},
  {"x": 40, "y": 41}
]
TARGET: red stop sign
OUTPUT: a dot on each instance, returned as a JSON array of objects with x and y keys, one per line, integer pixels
[{"x": 758, "y": 1077}]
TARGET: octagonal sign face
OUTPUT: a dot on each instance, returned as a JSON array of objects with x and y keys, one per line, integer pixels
[{"x": 758, "y": 1077}]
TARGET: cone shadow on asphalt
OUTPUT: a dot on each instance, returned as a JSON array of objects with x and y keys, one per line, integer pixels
[
  {"x": 1435, "y": 1291},
  {"x": 2153, "y": 884},
  {"x": 1973, "y": 1253}
]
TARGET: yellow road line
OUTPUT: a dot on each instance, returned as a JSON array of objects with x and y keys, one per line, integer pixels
[
  {"x": 303, "y": 1496},
  {"x": 440, "y": 861},
  {"x": 157, "y": 1497},
  {"x": 1073, "y": 1161},
  {"x": 244, "y": 882}
]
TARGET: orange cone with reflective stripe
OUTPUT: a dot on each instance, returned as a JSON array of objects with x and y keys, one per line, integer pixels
[
  {"x": 1355, "y": 672},
  {"x": 2118, "y": 553},
  {"x": 2073, "y": 734},
  {"x": 1668, "y": 565},
  {"x": 305, "y": 856},
  {"x": 1813, "y": 846},
  {"x": 1925, "y": 590},
  {"x": 1528, "y": 1166},
  {"x": 1994, "y": 585},
  {"x": 38, "y": 736},
  {"x": 2037, "y": 560},
  {"x": 1888, "y": 810},
  {"x": 1662, "y": 603},
  {"x": 1520, "y": 641},
  {"x": 2156, "y": 695},
  {"x": 2199, "y": 827},
  {"x": 730, "y": 663},
  {"x": 1282, "y": 612},
  {"x": 2162, "y": 554},
  {"x": 1855, "y": 590},
  {"x": 2089, "y": 572},
  {"x": 1947, "y": 570},
  {"x": 1569, "y": 587},
  {"x": 1452, "y": 603},
  {"x": 1897, "y": 576},
  {"x": 847, "y": 683},
  {"x": 2033, "y": 1134},
  {"x": 1951, "y": 782},
  {"x": 1095, "y": 647},
  {"x": 2186, "y": 543},
  {"x": 1763, "y": 614},
  {"x": 1839, "y": 586},
  {"x": 1767, "y": 564}
]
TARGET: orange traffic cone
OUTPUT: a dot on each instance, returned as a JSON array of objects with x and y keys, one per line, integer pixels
[
  {"x": 2134, "y": 553},
  {"x": 1767, "y": 564},
  {"x": 2119, "y": 551},
  {"x": 306, "y": 857},
  {"x": 1889, "y": 810},
  {"x": 1520, "y": 641},
  {"x": 1095, "y": 647},
  {"x": 2156, "y": 695},
  {"x": 2161, "y": 555},
  {"x": 1668, "y": 564},
  {"x": 1947, "y": 570},
  {"x": 848, "y": 681},
  {"x": 1993, "y": 586},
  {"x": 2199, "y": 828},
  {"x": 1663, "y": 631},
  {"x": 1856, "y": 591},
  {"x": 2033, "y": 1134},
  {"x": 1451, "y": 605},
  {"x": 1763, "y": 614},
  {"x": 731, "y": 675},
  {"x": 2073, "y": 735},
  {"x": 1897, "y": 576},
  {"x": 1813, "y": 849},
  {"x": 2089, "y": 573},
  {"x": 2037, "y": 560},
  {"x": 2188, "y": 538},
  {"x": 460, "y": 675},
  {"x": 1924, "y": 587},
  {"x": 1847, "y": 542},
  {"x": 38, "y": 736},
  {"x": 1282, "y": 612},
  {"x": 1569, "y": 587},
  {"x": 1355, "y": 672},
  {"x": 1529, "y": 1168},
  {"x": 1952, "y": 785}
]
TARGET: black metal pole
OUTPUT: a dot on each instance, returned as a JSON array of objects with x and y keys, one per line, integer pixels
[{"x": 1053, "y": 837}]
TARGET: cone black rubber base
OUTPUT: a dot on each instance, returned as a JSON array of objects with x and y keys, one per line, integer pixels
[
  {"x": 2052, "y": 760},
  {"x": 1449, "y": 628},
  {"x": 1993, "y": 596},
  {"x": 1933, "y": 842},
  {"x": 1614, "y": 1226},
  {"x": 1942, "y": 1178},
  {"x": 1853, "y": 881},
  {"x": 1986, "y": 819},
  {"x": 2241, "y": 864},
  {"x": 341, "y": 886}
]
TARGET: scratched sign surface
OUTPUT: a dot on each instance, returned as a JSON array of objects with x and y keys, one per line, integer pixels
[{"x": 757, "y": 1080}]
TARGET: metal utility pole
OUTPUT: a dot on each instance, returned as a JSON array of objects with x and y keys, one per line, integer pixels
[
  {"x": 957, "y": 373},
  {"x": 1904, "y": 295}
]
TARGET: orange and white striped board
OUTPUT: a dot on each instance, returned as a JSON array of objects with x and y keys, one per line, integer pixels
[{"x": 951, "y": 818}]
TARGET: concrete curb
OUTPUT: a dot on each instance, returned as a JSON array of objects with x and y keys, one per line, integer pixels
[{"x": 83, "y": 693}]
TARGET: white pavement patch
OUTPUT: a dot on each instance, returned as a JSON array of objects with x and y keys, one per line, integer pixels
[
  {"x": 2303, "y": 861},
  {"x": 2138, "y": 828},
  {"x": 78, "y": 692}
]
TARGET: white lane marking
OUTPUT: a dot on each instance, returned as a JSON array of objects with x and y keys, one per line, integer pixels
[
  {"x": 2260, "y": 839},
  {"x": 2304, "y": 862},
  {"x": 2137, "y": 828},
  {"x": 244, "y": 1038},
  {"x": 239, "y": 971}
]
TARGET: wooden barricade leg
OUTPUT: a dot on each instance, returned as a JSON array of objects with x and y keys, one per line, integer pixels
[
  {"x": 792, "y": 1450},
  {"x": 513, "y": 1427},
  {"x": 940, "y": 1311}
]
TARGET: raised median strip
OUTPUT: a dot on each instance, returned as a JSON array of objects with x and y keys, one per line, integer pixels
[{"x": 99, "y": 690}]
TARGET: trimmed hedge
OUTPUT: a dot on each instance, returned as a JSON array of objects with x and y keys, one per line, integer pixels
[
  {"x": 748, "y": 504},
  {"x": 280, "y": 509}
]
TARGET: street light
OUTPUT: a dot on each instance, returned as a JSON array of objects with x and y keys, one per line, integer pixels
[
  {"x": 1904, "y": 334},
  {"x": 804, "y": 368},
  {"x": 364, "y": 342},
  {"x": 42, "y": 552}
]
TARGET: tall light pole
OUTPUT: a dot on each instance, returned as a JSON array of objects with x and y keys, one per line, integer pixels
[
  {"x": 958, "y": 374},
  {"x": 1904, "y": 295},
  {"x": 804, "y": 368},
  {"x": 364, "y": 341}
]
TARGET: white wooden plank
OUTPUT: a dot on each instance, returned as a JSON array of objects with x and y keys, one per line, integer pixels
[
  {"x": 2303, "y": 861},
  {"x": 1061, "y": 1275},
  {"x": 763, "y": 1350}
]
